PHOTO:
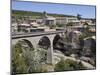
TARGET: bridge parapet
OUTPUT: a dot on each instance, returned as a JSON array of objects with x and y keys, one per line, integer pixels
[{"x": 21, "y": 35}]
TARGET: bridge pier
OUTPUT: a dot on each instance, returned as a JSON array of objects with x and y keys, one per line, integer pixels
[{"x": 50, "y": 59}]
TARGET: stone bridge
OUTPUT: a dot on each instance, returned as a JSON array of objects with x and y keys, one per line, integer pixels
[{"x": 33, "y": 39}]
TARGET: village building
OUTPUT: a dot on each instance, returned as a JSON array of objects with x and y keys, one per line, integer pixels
[
  {"x": 14, "y": 27},
  {"x": 48, "y": 20}
]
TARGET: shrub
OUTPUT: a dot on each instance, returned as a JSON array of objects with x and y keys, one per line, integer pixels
[
  {"x": 28, "y": 61},
  {"x": 18, "y": 61},
  {"x": 66, "y": 65}
]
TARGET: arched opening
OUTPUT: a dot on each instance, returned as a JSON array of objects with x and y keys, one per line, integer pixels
[
  {"x": 58, "y": 44},
  {"x": 43, "y": 48},
  {"x": 44, "y": 43},
  {"x": 28, "y": 42},
  {"x": 26, "y": 45}
]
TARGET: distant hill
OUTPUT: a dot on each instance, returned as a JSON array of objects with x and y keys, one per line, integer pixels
[{"x": 30, "y": 13}]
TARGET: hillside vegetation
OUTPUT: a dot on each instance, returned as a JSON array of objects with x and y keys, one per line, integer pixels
[{"x": 30, "y": 13}]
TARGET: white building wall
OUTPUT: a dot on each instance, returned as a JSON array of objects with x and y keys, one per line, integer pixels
[{"x": 65, "y": 20}]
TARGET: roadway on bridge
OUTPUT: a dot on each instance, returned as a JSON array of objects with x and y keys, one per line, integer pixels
[{"x": 19, "y": 35}]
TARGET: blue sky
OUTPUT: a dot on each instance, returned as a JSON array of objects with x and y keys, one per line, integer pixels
[{"x": 67, "y": 9}]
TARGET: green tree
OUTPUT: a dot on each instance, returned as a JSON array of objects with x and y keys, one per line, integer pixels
[
  {"x": 69, "y": 24},
  {"x": 52, "y": 26}
]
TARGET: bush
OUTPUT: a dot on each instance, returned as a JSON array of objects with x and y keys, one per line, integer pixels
[
  {"x": 18, "y": 61},
  {"x": 66, "y": 65},
  {"x": 52, "y": 26},
  {"x": 28, "y": 61}
]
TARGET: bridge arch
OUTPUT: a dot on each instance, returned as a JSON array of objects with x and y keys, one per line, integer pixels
[
  {"x": 44, "y": 47},
  {"x": 44, "y": 42},
  {"x": 57, "y": 43},
  {"x": 25, "y": 44},
  {"x": 28, "y": 42}
]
